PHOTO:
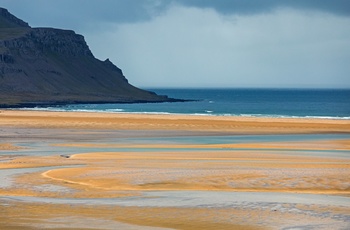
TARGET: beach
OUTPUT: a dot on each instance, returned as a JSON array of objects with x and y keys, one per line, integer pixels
[
  {"x": 63, "y": 170},
  {"x": 127, "y": 121}
]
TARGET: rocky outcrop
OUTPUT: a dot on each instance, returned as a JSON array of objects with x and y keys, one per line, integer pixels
[
  {"x": 63, "y": 42},
  {"x": 8, "y": 20},
  {"x": 7, "y": 59},
  {"x": 49, "y": 66}
]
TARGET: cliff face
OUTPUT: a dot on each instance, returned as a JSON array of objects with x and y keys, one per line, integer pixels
[
  {"x": 8, "y": 20},
  {"x": 45, "y": 65}
]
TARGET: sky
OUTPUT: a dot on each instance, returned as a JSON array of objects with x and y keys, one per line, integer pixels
[{"x": 209, "y": 43}]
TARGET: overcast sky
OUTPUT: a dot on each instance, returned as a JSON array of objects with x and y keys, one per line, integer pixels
[{"x": 209, "y": 43}]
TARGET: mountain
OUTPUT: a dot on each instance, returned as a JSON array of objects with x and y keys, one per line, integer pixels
[{"x": 54, "y": 66}]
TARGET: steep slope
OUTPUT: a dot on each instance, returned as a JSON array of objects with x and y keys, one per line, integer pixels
[{"x": 49, "y": 66}]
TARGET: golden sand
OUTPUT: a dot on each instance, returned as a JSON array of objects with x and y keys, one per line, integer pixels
[
  {"x": 121, "y": 121},
  {"x": 164, "y": 218},
  {"x": 55, "y": 216},
  {"x": 297, "y": 145},
  {"x": 243, "y": 167},
  {"x": 211, "y": 170},
  {"x": 8, "y": 146},
  {"x": 115, "y": 174}
]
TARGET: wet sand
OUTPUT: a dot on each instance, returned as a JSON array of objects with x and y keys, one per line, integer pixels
[
  {"x": 241, "y": 125},
  {"x": 118, "y": 171},
  {"x": 8, "y": 146}
]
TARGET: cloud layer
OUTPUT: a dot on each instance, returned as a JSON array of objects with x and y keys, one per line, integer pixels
[
  {"x": 204, "y": 43},
  {"x": 191, "y": 47},
  {"x": 341, "y": 7}
]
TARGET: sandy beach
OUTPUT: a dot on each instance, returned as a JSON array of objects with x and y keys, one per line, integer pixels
[
  {"x": 124, "y": 121},
  {"x": 136, "y": 171}
]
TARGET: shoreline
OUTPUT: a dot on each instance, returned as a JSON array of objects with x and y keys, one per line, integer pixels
[
  {"x": 120, "y": 111},
  {"x": 179, "y": 115},
  {"x": 131, "y": 121},
  {"x": 144, "y": 169}
]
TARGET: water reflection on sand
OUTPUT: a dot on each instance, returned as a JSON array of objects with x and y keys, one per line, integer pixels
[{"x": 153, "y": 175}]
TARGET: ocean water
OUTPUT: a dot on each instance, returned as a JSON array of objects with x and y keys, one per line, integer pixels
[{"x": 310, "y": 103}]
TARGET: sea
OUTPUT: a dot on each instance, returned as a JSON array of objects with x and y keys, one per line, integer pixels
[{"x": 281, "y": 103}]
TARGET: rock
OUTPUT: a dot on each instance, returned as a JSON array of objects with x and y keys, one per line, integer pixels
[
  {"x": 8, "y": 20},
  {"x": 54, "y": 66}
]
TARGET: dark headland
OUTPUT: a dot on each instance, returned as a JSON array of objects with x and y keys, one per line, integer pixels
[{"x": 46, "y": 66}]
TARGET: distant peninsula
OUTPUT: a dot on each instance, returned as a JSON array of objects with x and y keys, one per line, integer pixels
[{"x": 46, "y": 66}]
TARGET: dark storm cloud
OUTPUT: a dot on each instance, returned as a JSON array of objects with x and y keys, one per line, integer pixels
[
  {"x": 87, "y": 13},
  {"x": 341, "y": 7},
  {"x": 81, "y": 13}
]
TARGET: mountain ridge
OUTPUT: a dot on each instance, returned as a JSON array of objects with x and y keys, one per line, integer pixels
[{"x": 55, "y": 66}]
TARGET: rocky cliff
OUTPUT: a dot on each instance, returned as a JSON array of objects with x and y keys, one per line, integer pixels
[{"x": 50, "y": 66}]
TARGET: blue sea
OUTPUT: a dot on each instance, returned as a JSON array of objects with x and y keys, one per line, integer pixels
[{"x": 305, "y": 103}]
